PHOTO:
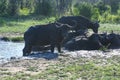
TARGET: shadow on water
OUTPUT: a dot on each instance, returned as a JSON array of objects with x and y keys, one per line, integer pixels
[{"x": 45, "y": 55}]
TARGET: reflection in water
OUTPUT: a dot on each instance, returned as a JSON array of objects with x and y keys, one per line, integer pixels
[{"x": 10, "y": 49}]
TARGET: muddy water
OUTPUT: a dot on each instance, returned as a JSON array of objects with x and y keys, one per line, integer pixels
[
  {"x": 10, "y": 49},
  {"x": 14, "y": 50}
]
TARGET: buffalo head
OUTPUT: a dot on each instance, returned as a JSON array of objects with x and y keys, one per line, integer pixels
[
  {"x": 63, "y": 28},
  {"x": 114, "y": 40},
  {"x": 95, "y": 26}
]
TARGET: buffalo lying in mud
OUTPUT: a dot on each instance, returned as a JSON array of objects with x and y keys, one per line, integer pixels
[
  {"x": 79, "y": 23},
  {"x": 114, "y": 40},
  {"x": 94, "y": 42},
  {"x": 49, "y": 34},
  {"x": 81, "y": 33},
  {"x": 78, "y": 43}
]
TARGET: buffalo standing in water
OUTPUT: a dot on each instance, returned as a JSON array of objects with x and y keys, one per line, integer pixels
[
  {"x": 50, "y": 34},
  {"x": 82, "y": 23}
]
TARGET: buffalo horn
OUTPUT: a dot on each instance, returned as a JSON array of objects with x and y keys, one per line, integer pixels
[
  {"x": 62, "y": 25},
  {"x": 68, "y": 25}
]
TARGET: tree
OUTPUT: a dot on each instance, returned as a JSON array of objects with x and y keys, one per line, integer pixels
[
  {"x": 43, "y": 7},
  {"x": 114, "y": 5},
  {"x": 84, "y": 9},
  {"x": 13, "y": 7},
  {"x": 63, "y": 6},
  {"x": 3, "y": 7}
]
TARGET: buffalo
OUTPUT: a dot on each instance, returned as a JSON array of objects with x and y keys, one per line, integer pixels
[
  {"x": 93, "y": 42},
  {"x": 114, "y": 40},
  {"x": 79, "y": 23},
  {"x": 71, "y": 35},
  {"x": 41, "y": 35}
]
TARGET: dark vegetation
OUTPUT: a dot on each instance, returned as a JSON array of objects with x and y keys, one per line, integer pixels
[
  {"x": 13, "y": 39},
  {"x": 103, "y": 10}
]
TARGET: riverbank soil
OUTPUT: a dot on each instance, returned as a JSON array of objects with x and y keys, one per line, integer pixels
[{"x": 77, "y": 65}]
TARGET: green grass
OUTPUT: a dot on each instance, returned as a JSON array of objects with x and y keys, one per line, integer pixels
[
  {"x": 32, "y": 69},
  {"x": 92, "y": 69},
  {"x": 21, "y": 25},
  {"x": 107, "y": 27},
  {"x": 73, "y": 69}
]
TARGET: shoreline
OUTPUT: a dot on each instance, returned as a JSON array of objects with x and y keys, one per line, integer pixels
[
  {"x": 67, "y": 64},
  {"x": 71, "y": 54}
]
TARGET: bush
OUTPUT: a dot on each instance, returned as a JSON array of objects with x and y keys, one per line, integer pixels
[
  {"x": 95, "y": 14},
  {"x": 118, "y": 12},
  {"x": 13, "y": 8},
  {"x": 101, "y": 7},
  {"x": 2, "y": 22},
  {"x": 16, "y": 39},
  {"x": 98, "y": 11},
  {"x": 84, "y": 9},
  {"x": 108, "y": 17},
  {"x": 3, "y": 7},
  {"x": 43, "y": 9},
  {"x": 24, "y": 11},
  {"x": 75, "y": 11}
]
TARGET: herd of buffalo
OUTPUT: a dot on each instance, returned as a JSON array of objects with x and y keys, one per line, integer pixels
[{"x": 69, "y": 32}]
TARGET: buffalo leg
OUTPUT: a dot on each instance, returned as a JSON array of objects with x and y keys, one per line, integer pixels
[
  {"x": 27, "y": 50},
  {"x": 59, "y": 47},
  {"x": 52, "y": 48}
]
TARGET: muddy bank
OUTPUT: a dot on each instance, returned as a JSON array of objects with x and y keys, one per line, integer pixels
[
  {"x": 73, "y": 54},
  {"x": 48, "y": 65},
  {"x": 12, "y": 39}
]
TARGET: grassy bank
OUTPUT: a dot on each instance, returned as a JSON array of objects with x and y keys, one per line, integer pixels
[
  {"x": 20, "y": 25},
  {"x": 64, "y": 68},
  {"x": 14, "y": 28},
  {"x": 108, "y": 27}
]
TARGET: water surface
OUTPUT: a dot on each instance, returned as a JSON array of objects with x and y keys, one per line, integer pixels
[{"x": 10, "y": 49}]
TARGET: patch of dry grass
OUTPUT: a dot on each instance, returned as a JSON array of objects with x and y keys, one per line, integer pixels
[{"x": 63, "y": 68}]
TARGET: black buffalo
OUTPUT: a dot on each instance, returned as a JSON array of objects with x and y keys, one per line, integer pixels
[
  {"x": 93, "y": 42},
  {"x": 41, "y": 35},
  {"x": 80, "y": 22},
  {"x": 114, "y": 40},
  {"x": 71, "y": 35}
]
